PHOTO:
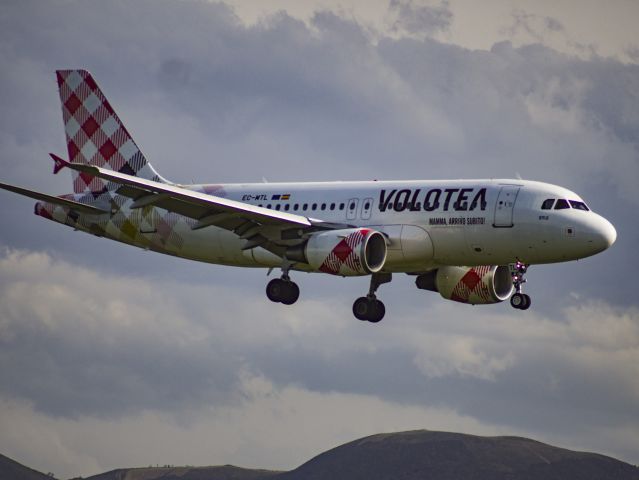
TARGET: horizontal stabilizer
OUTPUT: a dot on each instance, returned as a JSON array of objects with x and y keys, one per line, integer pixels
[
  {"x": 58, "y": 163},
  {"x": 77, "y": 206}
]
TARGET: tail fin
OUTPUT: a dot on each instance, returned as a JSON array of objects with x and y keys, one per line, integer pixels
[{"x": 95, "y": 134}]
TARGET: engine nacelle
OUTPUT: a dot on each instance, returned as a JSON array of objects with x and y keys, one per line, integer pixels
[
  {"x": 474, "y": 285},
  {"x": 348, "y": 252}
]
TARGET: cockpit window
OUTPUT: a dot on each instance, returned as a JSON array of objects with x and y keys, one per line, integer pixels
[
  {"x": 561, "y": 204},
  {"x": 547, "y": 205},
  {"x": 579, "y": 205}
]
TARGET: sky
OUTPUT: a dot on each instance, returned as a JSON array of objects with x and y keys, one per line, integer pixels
[{"x": 111, "y": 356}]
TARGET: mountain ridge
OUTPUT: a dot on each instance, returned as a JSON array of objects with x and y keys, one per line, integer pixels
[{"x": 410, "y": 455}]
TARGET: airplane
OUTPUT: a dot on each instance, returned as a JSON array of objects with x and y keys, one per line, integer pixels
[{"x": 471, "y": 241}]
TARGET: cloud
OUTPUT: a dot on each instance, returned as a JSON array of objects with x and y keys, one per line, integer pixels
[
  {"x": 536, "y": 27},
  {"x": 270, "y": 427},
  {"x": 116, "y": 354},
  {"x": 415, "y": 19},
  {"x": 95, "y": 333}
]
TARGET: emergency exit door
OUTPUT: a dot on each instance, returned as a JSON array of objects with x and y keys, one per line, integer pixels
[{"x": 505, "y": 205}]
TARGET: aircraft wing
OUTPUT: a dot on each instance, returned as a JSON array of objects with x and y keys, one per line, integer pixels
[
  {"x": 189, "y": 203},
  {"x": 259, "y": 226},
  {"x": 77, "y": 206}
]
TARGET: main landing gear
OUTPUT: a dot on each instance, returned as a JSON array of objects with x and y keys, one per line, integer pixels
[
  {"x": 519, "y": 300},
  {"x": 368, "y": 307},
  {"x": 283, "y": 289}
]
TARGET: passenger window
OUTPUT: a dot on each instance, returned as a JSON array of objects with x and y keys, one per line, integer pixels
[
  {"x": 579, "y": 205},
  {"x": 561, "y": 204},
  {"x": 547, "y": 205}
]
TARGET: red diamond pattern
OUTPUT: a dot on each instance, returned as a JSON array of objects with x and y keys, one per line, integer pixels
[
  {"x": 472, "y": 284},
  {"x": 72, "y": 104},
  {"x": 90, "y": 126},
  {"x": 76, "y": 87},
  {"x": 342, "y": 250},
  {"x": 107, "y": 150},
  {"x": 344, "y": 256},
  {"x": 73, "y": 150},
  {"x": 471, "y": 279}
]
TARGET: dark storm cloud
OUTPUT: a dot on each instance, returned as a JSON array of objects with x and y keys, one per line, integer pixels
[{"x": 97, "y": 329}]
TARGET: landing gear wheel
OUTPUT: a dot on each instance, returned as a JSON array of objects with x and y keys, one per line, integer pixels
[
  {"x": 291, "y": 293},
  {"x": 517, "y": 300},
  {"x": 527, "y": 302},
  {"x": 520, "y": 301},
  {"x": 379, "y": 310},
  {"x": 274, "y": 290},
  {"x": 369, "y": 309},
  {"x": 282, "y": 291},
  {"x": 361, "y": 308}
]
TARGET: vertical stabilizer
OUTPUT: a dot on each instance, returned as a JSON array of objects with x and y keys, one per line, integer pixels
[{"x": 95, "y": 134}]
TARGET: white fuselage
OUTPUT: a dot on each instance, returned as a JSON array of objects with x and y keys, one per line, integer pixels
[{"x": 427, "y": 223}]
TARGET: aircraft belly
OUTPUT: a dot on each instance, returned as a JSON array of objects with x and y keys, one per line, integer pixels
[
  {"x": 409, "y": 247},
  {"x": 450, "y": 245}
]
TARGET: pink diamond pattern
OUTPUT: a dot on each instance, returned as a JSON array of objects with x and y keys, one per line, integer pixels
[{"x": 78, "y": 94}]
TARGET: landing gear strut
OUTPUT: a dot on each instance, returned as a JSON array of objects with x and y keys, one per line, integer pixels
[
  {"x": 283, "y": 289},
  {"x": 368, "y": 307},
  {"x": 519, "y": 300}
]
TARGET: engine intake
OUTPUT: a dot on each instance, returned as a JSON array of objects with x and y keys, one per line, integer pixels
[
  {"x": 347, "y": 252},
  {"x": 474, "y": 285}
]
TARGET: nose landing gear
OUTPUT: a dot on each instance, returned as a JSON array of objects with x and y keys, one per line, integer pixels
[
  {"x": 369, "y": 308},
  {"x": 519, "y": 300}
]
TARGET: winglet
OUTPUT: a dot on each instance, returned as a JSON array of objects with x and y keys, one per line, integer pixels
[{"x": 59, "y": 163}]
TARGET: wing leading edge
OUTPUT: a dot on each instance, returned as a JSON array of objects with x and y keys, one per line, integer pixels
[
  {"x": 77, "y": 206},
  {"x": 199, "y": 206}
]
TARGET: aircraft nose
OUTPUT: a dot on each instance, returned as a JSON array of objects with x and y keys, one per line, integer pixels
[{"x": 603, "y": 235}]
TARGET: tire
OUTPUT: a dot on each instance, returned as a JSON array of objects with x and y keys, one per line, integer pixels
[
  {"x": 517, "y": 301},
  {"x": 527, "y": 302},
  {"x": 291, "y": 293},
  {"x": 361, "y": 308},
  {"x": 378, "y": 312},
  {"x": 275, "y": 290}
]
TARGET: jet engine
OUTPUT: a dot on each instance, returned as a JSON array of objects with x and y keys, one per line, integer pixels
[
  {"x": 348, "y": 252},
  {"x": 474, "y": 285}
]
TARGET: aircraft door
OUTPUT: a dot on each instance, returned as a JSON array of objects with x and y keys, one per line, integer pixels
[
  {"x": 367, "y": 207},
  {"x": 504, "y": 206},
  {"x": 351, "y": 209}
]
